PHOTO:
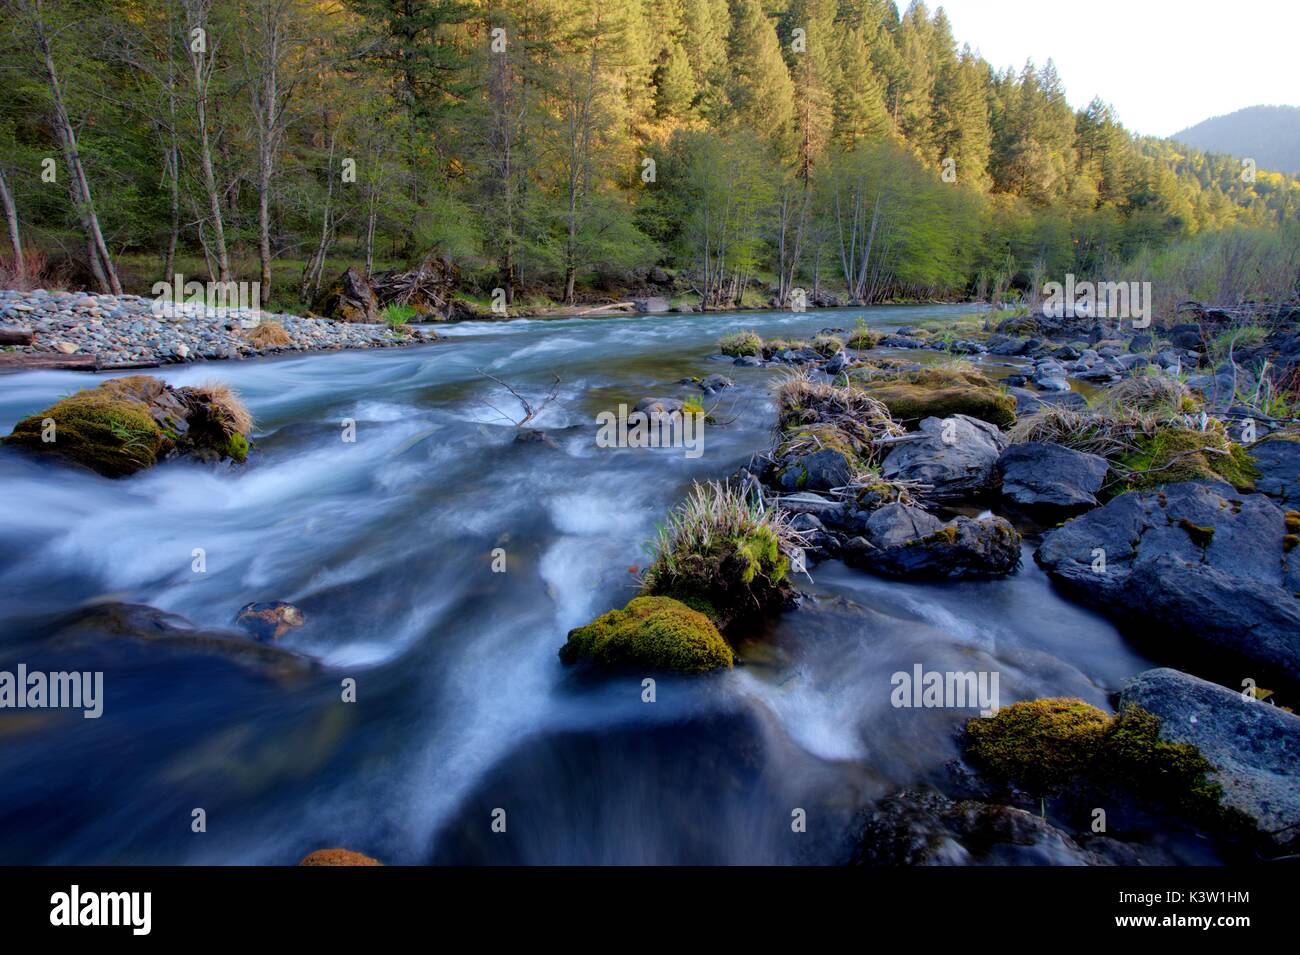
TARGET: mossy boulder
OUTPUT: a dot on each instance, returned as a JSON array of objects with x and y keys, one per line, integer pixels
[
  {"x": 816, "y": 457},
  {"x": 1039, "y": 744},
  {"x": 129, "y": 424},
  {"x": 1049, "y": 745},
  {"x": 913, "y": 396},
  {"x": 741, "y": 344},
  {"x": 655, "y": 633},
  {"x": 1171, "y": 455}
]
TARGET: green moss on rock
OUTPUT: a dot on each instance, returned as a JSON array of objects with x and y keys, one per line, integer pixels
[
  {"x": 940, "y": 393},
  {"x": 1174, "y": 454},
  {"x": 112, "y": 435},
  {"x": 656, "y": 633},
  {"x": 741, "y": 344},
  {"x": 1039, "y": 744}
]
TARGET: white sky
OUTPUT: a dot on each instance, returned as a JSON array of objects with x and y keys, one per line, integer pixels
[{"x": 1163, "y": 64}]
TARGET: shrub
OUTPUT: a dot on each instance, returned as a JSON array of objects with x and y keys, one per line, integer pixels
[
  {"x": 741, "y": 344},
  {"x": 398, "y": 315},
  {"x": 827, "y": 345},
  {"x": 657, "y": 633},
  {"x": 726, "y": 549},
  {"x": 862, "y": 337}
]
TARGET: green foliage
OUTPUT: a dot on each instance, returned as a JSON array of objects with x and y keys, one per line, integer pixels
[
  {"x": 1173, "y": 453},
  {"x": 721, "y": 547},
  {"x": 655, "y": 633},
  {"x": 398, "y": 315}
]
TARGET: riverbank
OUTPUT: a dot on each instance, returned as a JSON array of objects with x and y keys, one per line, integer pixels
[{"x": 85, "y": 332}]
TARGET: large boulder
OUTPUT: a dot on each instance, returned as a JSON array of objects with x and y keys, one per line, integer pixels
[
  {"x": 1278, "y": 461},
  {"x": 1197, "y": 522},
  {"x": 349, "y": 298},
  {"x": 1196, "y": 610},
  {"x": 963, "y": 548},
  {"x": 954, "y": 456},
  {"x": 1192, "y": 568},
  {"x": 1254, "y": 747},
  {"x": 1037, "y": 474},
  {"x": 128, "y": 424}
]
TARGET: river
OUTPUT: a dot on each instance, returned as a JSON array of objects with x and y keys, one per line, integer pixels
[{"x": 462, "y": 705}]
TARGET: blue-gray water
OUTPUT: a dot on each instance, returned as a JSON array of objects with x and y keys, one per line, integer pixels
[{"x": 462, "y": 704}]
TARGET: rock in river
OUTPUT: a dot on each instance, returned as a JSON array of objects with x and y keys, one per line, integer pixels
[
  {"x": 1254, "y": 747},
  {"x": 955, "y": 456}
]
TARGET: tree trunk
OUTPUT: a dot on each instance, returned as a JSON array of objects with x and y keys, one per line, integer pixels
[
  {"x": 11, "y": 220},
  {"x": 101, "y": 263},
  {"x": 202, "y": 78}
]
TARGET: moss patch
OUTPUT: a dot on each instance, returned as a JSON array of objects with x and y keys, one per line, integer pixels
[
  {"x": 1048, "y": 745},
  {"x": 1040, "y": 744},
  {"x": 741, "y": 344},
  {"x": 657, "y": 633},
  {"x": 1201, "y": 536},
  {"x": 110, "y": 434},
  {"x": 940, "y": 393},
  {"x": 1174, "y": 454}
]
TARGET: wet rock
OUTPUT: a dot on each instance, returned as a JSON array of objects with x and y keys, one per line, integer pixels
[
  {"x": 1194, "y": 569},
  {"x": 534, "y": 436},
  {"x": 749, "y": 361},
  {"x": 1048, "y": 475},
  {"x": 654, "y": 304},
  {"x": 963, "y": 548},
  {"x": 663, "y": 406},
  {"x": 1196, "y": 609},
  {"x": 154, "y": 627},
  {"x": 1196, "y": 521},
  {"x": 1255, "y": 747},
  {"x": 712, "y": 384},
  {"x": 271, "y": 620},
  {"x": 924, "y": 827},
  {"x": 954, "y": 456}
]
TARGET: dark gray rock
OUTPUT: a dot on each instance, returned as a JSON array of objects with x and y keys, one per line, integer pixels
[
  {"x": 1279, "y": 466},
  {"x": 962, "y": 548},
  {"x": 895, "y": 524},
  {"x": 1254, "y": 746},
  {"x": 820, "y": 470},
  {"x": 1027, "y": 402},
  {"x": 1039, "y": 474},
  {"x": 715, "y": 383},
  {"x": 652, "y": 406},
  {"x": 954, "y": 456}
]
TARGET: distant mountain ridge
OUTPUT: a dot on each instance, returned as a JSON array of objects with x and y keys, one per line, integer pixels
[{"x": 1270, "y": 135}]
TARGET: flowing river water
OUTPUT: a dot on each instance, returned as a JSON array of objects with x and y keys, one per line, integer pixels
[{"x": 462, "y": 705}]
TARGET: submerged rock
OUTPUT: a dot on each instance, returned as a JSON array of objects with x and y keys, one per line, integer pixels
[
  {"x": 270, "y": 621},
  {"x": 129, "y": 424},
  {"x": 655, "y": 633},
  {"x": 953, "y": 456},
  {"x": 1254, "y": 747},
  {"x": 152, "y": 626},
  {"x": 1038, "y": 474}
]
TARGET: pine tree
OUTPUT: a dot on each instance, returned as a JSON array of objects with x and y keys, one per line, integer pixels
[{"x": 762, "y": 95}]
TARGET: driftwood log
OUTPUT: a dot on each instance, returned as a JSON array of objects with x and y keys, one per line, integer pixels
[
  {"x": 428, "y": 288},
  {"x": 14, "y": 335}
]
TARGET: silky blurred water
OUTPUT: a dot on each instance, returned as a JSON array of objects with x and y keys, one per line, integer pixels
[{"x": 462, "y": 704}]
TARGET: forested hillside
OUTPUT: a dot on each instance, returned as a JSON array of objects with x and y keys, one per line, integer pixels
[
  {"x": 1269, "y": 135},
  {"x": 550, "y": 147}
]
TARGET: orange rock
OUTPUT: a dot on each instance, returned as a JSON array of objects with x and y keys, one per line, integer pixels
[{"x": 338, "y": 857}]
